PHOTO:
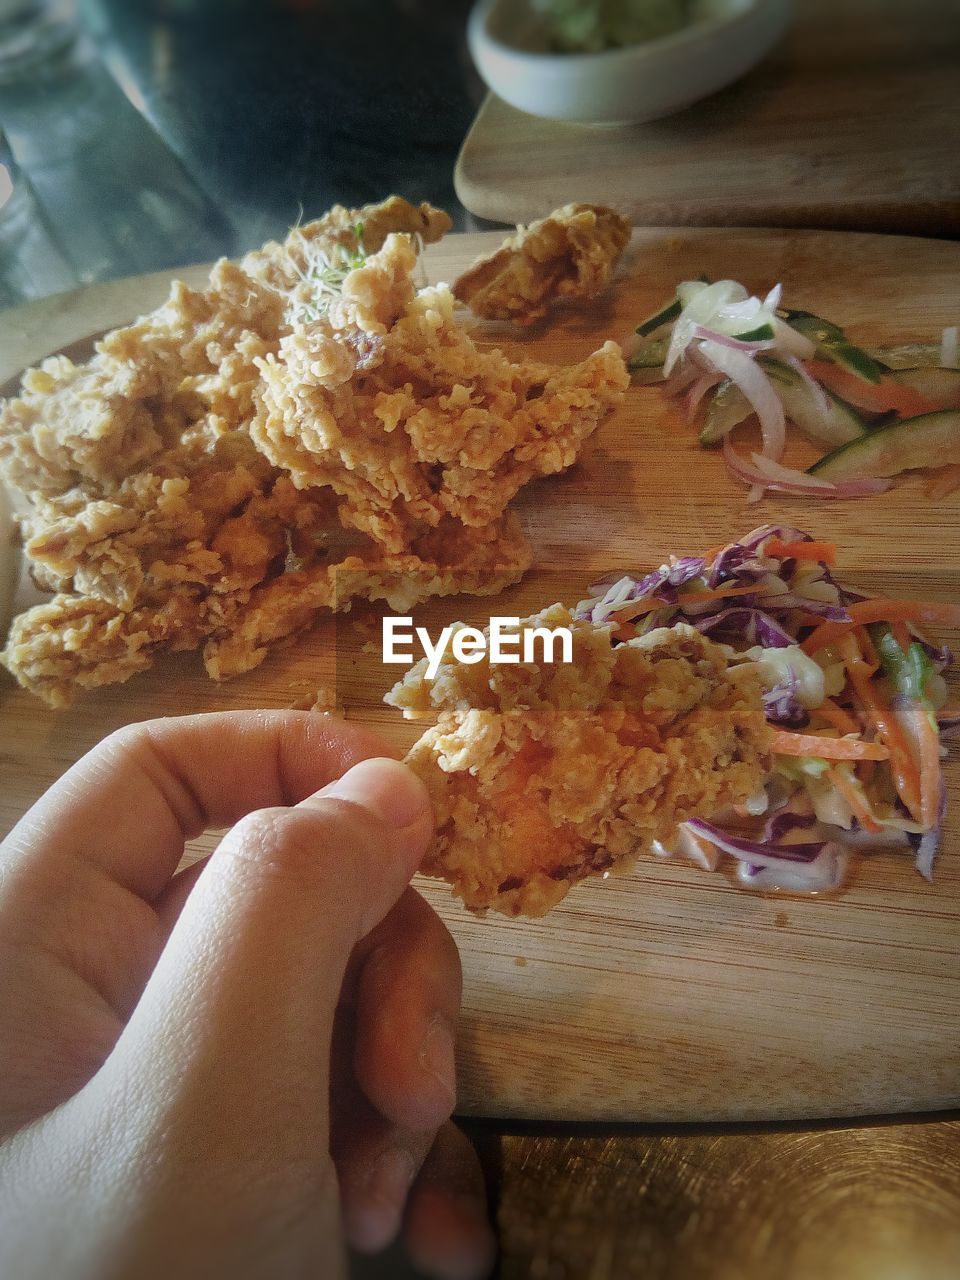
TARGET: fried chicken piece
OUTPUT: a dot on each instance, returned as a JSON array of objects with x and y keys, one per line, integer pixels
[
  {"x": 145, "y": 388},
  {"x": 79, "y": 642},
  {"x": 191, "y": 483},
  {"x": 427, "y": 426},
  {"x": 474, "y": 562},
  {"x": 542, "y": 774},
  {"x": 338, "y": 236},
  {"x": 570, "y": 254}
]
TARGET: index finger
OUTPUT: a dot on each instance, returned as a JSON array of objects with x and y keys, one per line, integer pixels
[{"x": 130, "y": 804}]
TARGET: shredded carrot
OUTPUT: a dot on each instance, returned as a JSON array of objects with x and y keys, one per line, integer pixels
[
  {"x": 821, "y": 552},
  {"x": 711, "y": 553},
  {"x": 903, "y": 767},
  {"x": 870, "y": 655},
  {"x": 785, "y": 742},
  {"x": 624, "y": 632},
  {"x": 863, "y": 612},
  {"x": 836, "y": 716},
  {"x": 638, "y": 608},
  {"x": 901, "y": 633},
  {"x": 838, "y": 776},
  {"x": 805, "y": 619}
]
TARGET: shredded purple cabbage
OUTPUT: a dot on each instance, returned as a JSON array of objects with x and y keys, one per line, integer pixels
[
  {"x": 822, "y": 608},
  {"x": 755, "y": 537},
  {"x": 665, "y": 580},
  {"x": 927, "y": 846},
  {"x": 781, "y": 705},
  {"x": 784, "y": 821},
  {"x": 761, "y": 853},
  {"x": 751, "y": 625},
  {"x": 757, "y": 618}
]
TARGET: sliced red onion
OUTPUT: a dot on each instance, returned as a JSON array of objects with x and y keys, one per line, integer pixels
[
  {"x": 789, "y": 475},
  {"x": 737, "y": 344},
  {"x": 820, "y": 397},
  {"x": 744, "y": 471},
  {"x": 698, "y": 390},
  {"x": 758, "y": 390},
  {"x": 681, "y": 378}
]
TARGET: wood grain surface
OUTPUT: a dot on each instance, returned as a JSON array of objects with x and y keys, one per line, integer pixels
[
  {"x": 848, "y": 124},
  {"x": 667, "y": 994}
]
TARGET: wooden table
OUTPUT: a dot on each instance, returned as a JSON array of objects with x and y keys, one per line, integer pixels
[
  {"x": 849, "y": 123},
  {"x": 851, "y": 1201}
]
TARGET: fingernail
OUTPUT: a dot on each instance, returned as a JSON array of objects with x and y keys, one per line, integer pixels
[
  {"x": 376, "y": 1220},
  {"x": 438, "y": 1057},
  {"x": 386, "y": 788}
]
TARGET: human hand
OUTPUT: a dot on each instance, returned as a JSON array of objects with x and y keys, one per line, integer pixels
[{"x": 223, "y": 1071}]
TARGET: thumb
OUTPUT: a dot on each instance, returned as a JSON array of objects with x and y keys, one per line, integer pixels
[
  {"x": 253, "y": 968},
  {"x": 223, "y": 1068}
]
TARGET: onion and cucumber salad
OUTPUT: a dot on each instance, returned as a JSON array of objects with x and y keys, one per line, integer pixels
[
  {"x": 732, "y": 357},
  {"x": 854, "y": 697}
]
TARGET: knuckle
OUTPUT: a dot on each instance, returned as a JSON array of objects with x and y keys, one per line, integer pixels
[{"x": 291, "y": 843}]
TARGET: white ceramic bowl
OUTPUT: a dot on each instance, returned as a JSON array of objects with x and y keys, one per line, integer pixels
[
  {"x": 9, "y": 564},
  {"x": 620, "y": 86}
]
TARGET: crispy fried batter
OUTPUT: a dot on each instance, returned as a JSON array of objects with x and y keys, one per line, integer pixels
[
  {"x": 283, "y": 265},
  {"x": 427, "y": 426},
  {"x": 290, "y": 603},
  {"x": 542, "y": 774},
  {"x": 570, "y": 254},
  {"x": 192, "y": 482}
]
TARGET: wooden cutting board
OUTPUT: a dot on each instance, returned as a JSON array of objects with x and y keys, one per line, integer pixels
[
  {"x": 849, "y": 123},
  {"x": 670, "y": 993}
]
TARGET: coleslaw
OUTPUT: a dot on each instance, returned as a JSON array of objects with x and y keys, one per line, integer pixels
[{"x": 854, "y": 696}]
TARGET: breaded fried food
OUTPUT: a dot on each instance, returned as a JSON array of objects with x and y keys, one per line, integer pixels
[
  {"x": 395, "y": 408},
  {"x": 338, "y": 237},
  {"x": 246, "y": 456},
  {"x": 571, "y": 254},
  {"x": 542, "y": 774}
]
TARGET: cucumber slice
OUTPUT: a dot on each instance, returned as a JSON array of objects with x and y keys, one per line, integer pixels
[
  {"x": 651, "y": 355},
  {"x": 841, "y": 423},
  {"x": 938, "y": 384},
  {"x": 660, "y": 318},
  {"x": 833, "y": 344},
  {"x": 930, "y": 440},
  {"x": 760, "y": 334},
  {"x": 909, "y": 355},
  {"x": 729, "y": 406}
]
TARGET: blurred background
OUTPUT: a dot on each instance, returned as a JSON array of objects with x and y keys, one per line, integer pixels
[{"x": 144, "y": 134}]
